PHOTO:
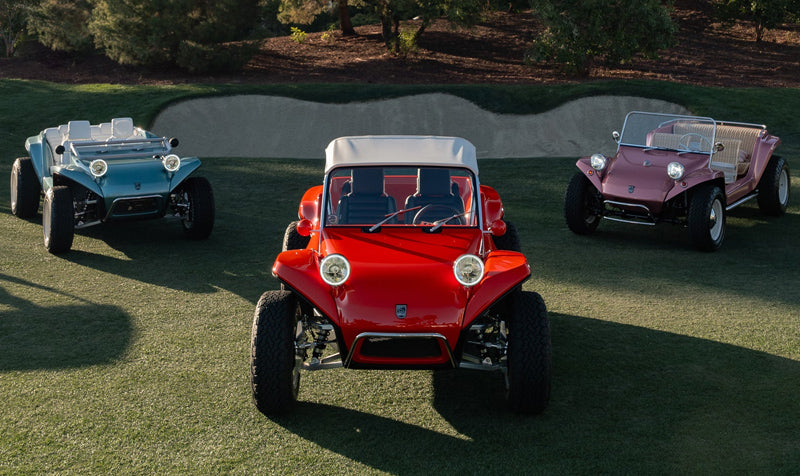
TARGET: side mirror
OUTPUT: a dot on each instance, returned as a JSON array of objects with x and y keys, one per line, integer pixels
[
  {"x": 304, "y": 227},
  {"x": 615, "y": 135},
  {"x": 498, "y": 228},
  {"x": 173, "y": 142},
  {"x": 60, "y": 149},
  {"x": 719, "y": 147}
]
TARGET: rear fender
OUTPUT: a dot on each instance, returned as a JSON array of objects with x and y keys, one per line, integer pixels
[
  {"x": 299, "y": 269},
  {"x": 36, "y": 152},
  {"x": 503, "y": 270},
  {"x": 309, "y": 208},
  {"x": 762, "y": 155},
  {"x": 492, "y": 206}
]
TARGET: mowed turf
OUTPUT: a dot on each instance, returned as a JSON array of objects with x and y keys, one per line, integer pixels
[{"x": 130, "y": 353}]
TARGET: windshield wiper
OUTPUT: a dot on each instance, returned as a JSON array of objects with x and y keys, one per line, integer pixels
[
  {"x": 390, "y": 216},
  {"x": 439, "y": 223}
]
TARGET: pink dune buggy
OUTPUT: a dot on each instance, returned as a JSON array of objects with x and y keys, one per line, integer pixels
[
  {"x": 679, "y": 169},
  {"x": 400, "y": 260}
]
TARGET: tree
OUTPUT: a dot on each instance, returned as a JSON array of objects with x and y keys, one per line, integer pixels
[
  {"x": 392, "y": 12},
  {"x": 764, "y": 14},
  {"x": 304, "y": 12},
  {"x": 13, "y": 19},
  {"x": 62, "y": 26},
  {"x": 578, "y": 32},
  {"x": 197, "y": 35}
]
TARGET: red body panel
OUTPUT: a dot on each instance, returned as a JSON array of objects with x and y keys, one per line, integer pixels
[{"x": 401, "y": 265}]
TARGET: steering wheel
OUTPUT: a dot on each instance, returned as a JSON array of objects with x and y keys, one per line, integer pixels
[
  {"x": 688, "y": 142},
  {"x": 436, "y": 211}
]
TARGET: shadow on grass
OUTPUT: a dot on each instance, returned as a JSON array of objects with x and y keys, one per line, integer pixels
[
  {"x": 756, "y": 260},
  {"x": 624, "y": 398},
  {"x": 34, "y": 337}
]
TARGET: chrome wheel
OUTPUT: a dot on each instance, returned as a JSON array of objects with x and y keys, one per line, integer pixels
[
  {"x": 715, "y": 220},
  {"x": 783, "y": 187}
]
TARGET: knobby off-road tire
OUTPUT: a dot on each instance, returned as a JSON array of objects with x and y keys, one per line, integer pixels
[
  {"x": 292, "y": 240},
  {"x": 25, "y": 189},
  {"x": 529, "y": 353},
  {"x": 774, "y": 187},
  {"x": 274, "y": 375},
  {"x": 707, "y": 218},
  {"x": 510, "y": 240},
  {"x": 58, "y": 219},
  {"x": 580, "y": 203},
  {"x": 199, "y": 219}
]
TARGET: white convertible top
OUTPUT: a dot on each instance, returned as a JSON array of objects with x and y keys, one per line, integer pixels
[{"x": 401, "y": 151}]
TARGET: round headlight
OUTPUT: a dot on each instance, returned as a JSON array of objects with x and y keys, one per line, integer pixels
[
  {"x": 675, "y": 170},
  {"x": 171, "y": 162},
  {"x": 598, "y": 161},
  {"x": 334, "y": 269},
  {"x": 468, "y": 270},
  {"x": 98, "y": 167}
]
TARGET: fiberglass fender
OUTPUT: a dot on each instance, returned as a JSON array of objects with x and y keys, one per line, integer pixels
[
  {"x": 188, "y": 165},
  {"x": 693, "y": 179},
  {"x": 492, "y": 206},
  {"x": 585, "y": 166},
  {"x": 299, "y": 269},
  {"x": 78, "y": 176},
  {"x": 503, "y": 270},
  {"x": 36, "y": 152}
]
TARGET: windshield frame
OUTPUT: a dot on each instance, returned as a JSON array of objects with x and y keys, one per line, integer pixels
[
  {"x": 655, "y": 121},
  {"x": 327, "y": 205}
]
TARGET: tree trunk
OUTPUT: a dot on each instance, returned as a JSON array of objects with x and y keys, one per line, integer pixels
[{"x": 344, "y": 19}]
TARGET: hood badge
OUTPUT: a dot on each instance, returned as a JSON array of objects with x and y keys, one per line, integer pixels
[
  {"x": 400, "y": 311},
  {"x": 630, "y": 188},
  {"x": 647, "y": 163}
]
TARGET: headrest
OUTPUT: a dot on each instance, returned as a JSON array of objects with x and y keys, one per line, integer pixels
[
  {"x": 367, "y": 181},
  {"x": 433, "y": 181},
  {"x": 121, "y": 127},
  {"x": 78, "y": 130}
]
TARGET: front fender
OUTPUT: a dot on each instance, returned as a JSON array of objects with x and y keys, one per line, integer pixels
[
  {"x": 584, "y": 166},
  {"x": 299, "y": 269},
  {"x": 188, "y": 165},
  {"x": 503, "y": 270},
  {"x": 693, "y": 179},
  {"x": 79, "y": 177}
]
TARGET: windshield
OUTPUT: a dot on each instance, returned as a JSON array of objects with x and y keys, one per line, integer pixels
[
  {"x": 400, "y": 196},
  {"x": 671, "y": 132}
]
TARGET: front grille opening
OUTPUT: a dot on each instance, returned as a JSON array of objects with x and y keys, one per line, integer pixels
[
  {"x": 136, "y": 206},
  {"x": 398, "y": 348}
]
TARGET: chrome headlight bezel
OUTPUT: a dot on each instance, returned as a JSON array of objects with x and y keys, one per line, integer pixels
[
  {"x": 171, "y": 162},
  {"x": 598, "y": 161},
  {"x": 675, "y": 170},
  {"x": 334, "y": 269},
  {"x": 468, "y": 270},
  {"x": 98, "y": 167}
]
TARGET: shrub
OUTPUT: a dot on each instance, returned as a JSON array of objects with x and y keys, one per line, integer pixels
[
  {"x": 581, "y": 31},
  {"x": 298, "y": 35},
  {"x": 62, "y": 26},
  {"x": 158, "y": 33},
  {"x": 764, "y": 14}
]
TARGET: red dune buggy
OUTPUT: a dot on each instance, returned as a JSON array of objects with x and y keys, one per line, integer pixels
[{"x": 400, "y": 260}]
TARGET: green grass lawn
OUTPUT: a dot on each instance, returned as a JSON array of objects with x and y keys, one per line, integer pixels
[{"x": 130, "y": 353}]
